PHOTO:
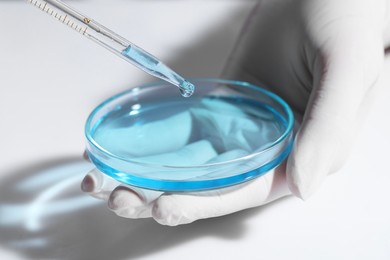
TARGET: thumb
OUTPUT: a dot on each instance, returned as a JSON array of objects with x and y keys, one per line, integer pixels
[{"x": 345, "y": 71}]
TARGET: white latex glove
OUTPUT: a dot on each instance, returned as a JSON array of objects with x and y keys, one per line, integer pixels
[{"x": 323, "y": 57}]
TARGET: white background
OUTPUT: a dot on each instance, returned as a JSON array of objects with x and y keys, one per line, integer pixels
[{"x": 51, "y": 78}]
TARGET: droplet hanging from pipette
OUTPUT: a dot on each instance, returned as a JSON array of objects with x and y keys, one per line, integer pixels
[{"x": 186, "y": 88}]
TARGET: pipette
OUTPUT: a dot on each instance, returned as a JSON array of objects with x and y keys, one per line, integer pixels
[{"x": 114, "y": 43}]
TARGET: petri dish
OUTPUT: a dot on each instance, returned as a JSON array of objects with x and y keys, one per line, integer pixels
[{"x": 226, "y": 133}]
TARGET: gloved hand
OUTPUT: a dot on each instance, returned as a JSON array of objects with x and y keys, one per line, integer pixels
[{"x": 323, "y": 57}]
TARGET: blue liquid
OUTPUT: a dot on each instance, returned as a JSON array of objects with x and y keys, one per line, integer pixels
[
  {"x": 206, "y": 130},
  {"x": 155, "y": 67}
]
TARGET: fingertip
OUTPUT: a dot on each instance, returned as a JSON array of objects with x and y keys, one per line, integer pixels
[
  {"x": 123, "y": 197},
  {"x": 87, "y": 185},
  {"x": 300, "y": 193},
  {"x": 166, "y": 211},
  {"x": 160, "y": 211},
  {"x": 304, "y": 182},
  {"x": 126, "y": 202},
  {"x": 92, "y": 182}
]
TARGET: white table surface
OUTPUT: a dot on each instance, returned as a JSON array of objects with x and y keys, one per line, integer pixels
[{"x": 51, "y": 78}]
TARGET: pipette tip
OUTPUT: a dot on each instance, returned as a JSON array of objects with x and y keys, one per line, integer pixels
[{"x": 186, "y": 88}]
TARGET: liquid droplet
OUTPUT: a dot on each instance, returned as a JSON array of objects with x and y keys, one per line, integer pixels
[{"x": 186, "y": 89}]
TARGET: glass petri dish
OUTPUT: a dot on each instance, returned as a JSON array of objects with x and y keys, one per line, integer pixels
[{"x": 226, "y": 133}]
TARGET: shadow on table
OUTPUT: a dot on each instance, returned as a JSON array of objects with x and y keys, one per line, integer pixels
[{"x": 44, "y": 214}]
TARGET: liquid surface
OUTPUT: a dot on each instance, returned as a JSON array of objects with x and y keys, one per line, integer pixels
[{"x": 205, "y": 130}]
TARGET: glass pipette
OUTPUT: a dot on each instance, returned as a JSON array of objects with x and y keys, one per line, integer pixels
[{"x": 114, "y": 43}]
